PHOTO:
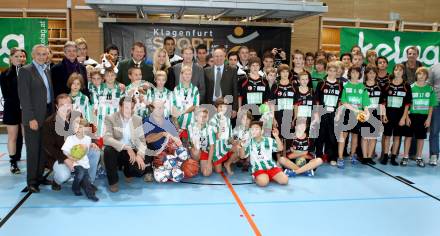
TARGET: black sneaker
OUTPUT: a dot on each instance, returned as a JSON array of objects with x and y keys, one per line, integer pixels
[
  {"x": 420, "y": 162},
  {"x": 370, "y": 161},
  {"x": 14, "y": 168},
  {"x": 55, "y": 186},
  {"x": 393, "y": 160},
  {"x": 384, "y": 159}
]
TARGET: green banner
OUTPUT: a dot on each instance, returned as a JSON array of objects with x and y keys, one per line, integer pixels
[
  {"x": 393, "y": 45},
  {"x": 22, "y": 33}
]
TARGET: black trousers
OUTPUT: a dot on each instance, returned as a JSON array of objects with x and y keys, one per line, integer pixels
[
  {"x": 327, "y": 137},
  {"x": 18, "y": 146},
  {"x": 113, "y": 159},
  {"x": 35, "y": 155},
  {"x": 82, "y": 180}
]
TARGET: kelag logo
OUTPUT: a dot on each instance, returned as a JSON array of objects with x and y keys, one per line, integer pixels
[
  {"x": 393, "y": 45},
  {"x": 8, "y": 42},
  {"x": 22, "y": 33}
]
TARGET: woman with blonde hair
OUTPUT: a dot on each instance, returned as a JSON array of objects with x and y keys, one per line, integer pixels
[{"x": 161, "y": 61}]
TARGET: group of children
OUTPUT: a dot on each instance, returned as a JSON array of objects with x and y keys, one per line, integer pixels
[{"x": 322, "y": 114}]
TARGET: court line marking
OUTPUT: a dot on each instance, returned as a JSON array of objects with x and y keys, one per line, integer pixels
[
  {"x": 20, "y": 203},
  {"x": 223, "y": 203},
  {"x": 407, "y": 184},
  {"x": 241, "y": 205}
]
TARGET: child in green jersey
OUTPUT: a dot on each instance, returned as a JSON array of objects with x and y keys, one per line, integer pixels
[
  {"x": 80, "y": 101},
  {"x": 186, "y": 98},
  {"x": 354, "y": 99},
  {"x": 160, "y": 92},
  {"x": 138, "y": 89},
  {"x": 419, "y": 118},
  {"x": 260, "y": 149},
  {"x": 221, "y": 128}
]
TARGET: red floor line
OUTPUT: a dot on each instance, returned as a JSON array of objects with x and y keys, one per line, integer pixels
[{"x": 241, "y": 205}]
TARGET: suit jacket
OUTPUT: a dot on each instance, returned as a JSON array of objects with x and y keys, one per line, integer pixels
[
  {"x": 53, "y": 139},
  {"x": 228, "y": 84},
  {"x": 123, "y": 66},
  {"x": 33, "y": 94},
  {"x": 114, "y": 130},
  {"x": 60, "y": 76},
  {"x": 197, "y": 79}
]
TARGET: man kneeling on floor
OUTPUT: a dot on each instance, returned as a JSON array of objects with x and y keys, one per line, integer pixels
[
  {"x": 56, "y": 129},
  {"x": 124, "y": 144}
]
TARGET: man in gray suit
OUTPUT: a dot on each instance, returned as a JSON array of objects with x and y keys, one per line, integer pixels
[
  {"x": 197, "y": 78},
  {"x": 36, "y": 98},
  {"x": 221, "y": 81}
]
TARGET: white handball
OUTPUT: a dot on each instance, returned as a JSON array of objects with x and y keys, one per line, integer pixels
[
  {"x": 170, "y": 162},
  {"x": 161, "y": 174},
  {"x": 177, "y": 175},
  {"x": 182, "y": 154}
]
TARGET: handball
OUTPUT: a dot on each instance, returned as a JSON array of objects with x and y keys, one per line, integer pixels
[
  {"x": 361, "y": 116},
  {"x": 78, "y": 152},
  {"x": 190, "y": 168},
  {"x": 301, "y": 161}
]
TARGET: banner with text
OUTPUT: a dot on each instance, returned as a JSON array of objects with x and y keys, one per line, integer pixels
[
  {"x": 260, "y": 38},
  {"x": 393, "y": 45},
  {"x": 22, "y": 33}
]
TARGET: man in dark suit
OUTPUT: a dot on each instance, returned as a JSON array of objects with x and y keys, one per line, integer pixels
[
  {"x": 221, "y": 81},
  {"x": 60, "y": 72},
  {"x": 36, "y": 98},
  {"x": 197, "y": 78},
  {"x": 138, "y": 54}
]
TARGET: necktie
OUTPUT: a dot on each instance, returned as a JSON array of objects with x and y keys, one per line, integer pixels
[{"x": 217, "y": 88}]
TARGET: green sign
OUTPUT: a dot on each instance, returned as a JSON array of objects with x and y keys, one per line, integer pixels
[
  {"x": 393, "y": 45},
  {"x": 22, "y": 33}
]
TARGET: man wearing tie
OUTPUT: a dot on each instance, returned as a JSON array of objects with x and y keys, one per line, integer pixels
[
  {"x": 221, "y": 81},
  {"x": 36, "y": 97},
  {"x": 138, "y": 54}
]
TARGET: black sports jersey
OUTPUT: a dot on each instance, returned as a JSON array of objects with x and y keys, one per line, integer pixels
[
  {"x": 305, "y": 102},
  {"x": 328, "y": 94},
  {"x": 383, "y": 81},
  {"x": 284, "y": 96},
  {"x": 254, "y": 91},
  {"x": 396, "y": 97},
  {"x": 376, "y": 96},
  {"x": 295, "y": 79},
  {"x": 300, "y": 144}
]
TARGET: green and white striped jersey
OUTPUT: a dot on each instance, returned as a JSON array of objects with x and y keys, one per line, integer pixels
[
  {"x": 136, "y": 89},
  {"x": 80, "y": 103},
  {"x": 221, "y": 129},
  {"x": 108, "y": 103},
  {"x": 165, "y": 95},
  {"x": 184, "y": 98},
  {"x": 200, "y": 137},
  {"x": 243, "y": 135},
  {"x": 261, "y": 153}
]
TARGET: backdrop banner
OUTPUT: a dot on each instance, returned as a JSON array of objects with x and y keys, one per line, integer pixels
[
  {"x": 22, "y": 33},
  {"x": 393, "y": 45},
  {"x": 257, "y": 37}
]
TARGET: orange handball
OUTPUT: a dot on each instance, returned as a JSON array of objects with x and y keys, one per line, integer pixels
[
  {"x": 190, "y": 168},
  {"x": 361, "y": 116}
]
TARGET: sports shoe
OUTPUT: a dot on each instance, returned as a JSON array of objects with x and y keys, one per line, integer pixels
[
  {"x": 433, "y": 160},
  {"x": 14, "y": 168},
  {"x": 290, "y": 172},
  {"x": 370, "y": 161},
  {"x": 394, "y": 160},
  {"x": 420, "y": 162},
  {"x": 333, "y": 163},
  {"x": 354, "y": 160},
  {"x": 340, "y": 163},
  {"x": 384, "y": 159},
  {"x": 404, "y": 161},
  {"x": 148, "y": 177},
  {"x": 308, "y": 173}
]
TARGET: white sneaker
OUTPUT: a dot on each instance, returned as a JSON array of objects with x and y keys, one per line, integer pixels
[{"x": 433, "y": 160}]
